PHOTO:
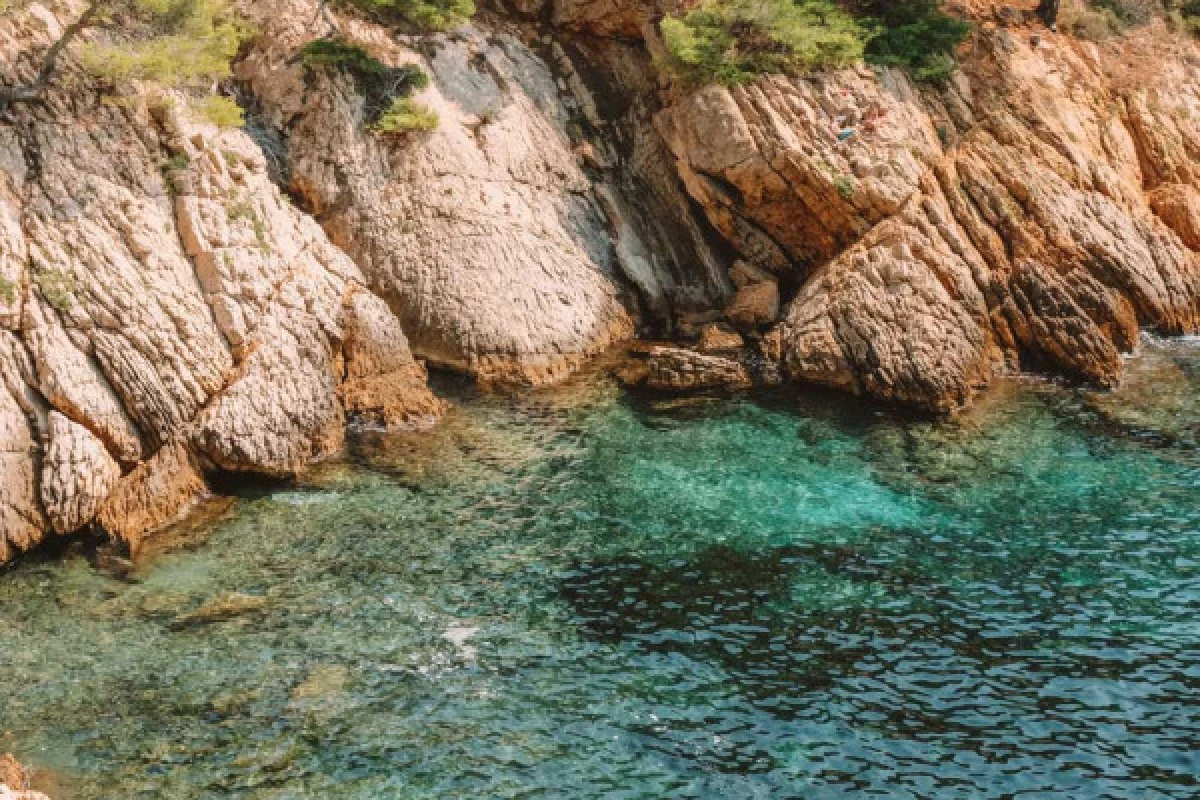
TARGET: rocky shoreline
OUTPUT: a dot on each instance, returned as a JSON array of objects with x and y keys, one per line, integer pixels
[{"x": 183, "y": 302}]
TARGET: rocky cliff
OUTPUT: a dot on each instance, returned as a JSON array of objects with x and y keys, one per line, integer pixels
[
  {"x": 179, "y": 301},
  {"x": 167, "y": 313}
]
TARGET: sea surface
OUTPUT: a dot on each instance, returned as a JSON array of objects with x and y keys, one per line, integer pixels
[{"x": 583, "y": 593}]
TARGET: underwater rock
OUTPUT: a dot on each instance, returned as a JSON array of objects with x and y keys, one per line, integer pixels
[{"x": 678, "y": 369}]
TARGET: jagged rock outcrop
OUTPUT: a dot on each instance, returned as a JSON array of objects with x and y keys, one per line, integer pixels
[
  {"x": 166, "y": 311},
  {"x": 1034, "y": 214}
]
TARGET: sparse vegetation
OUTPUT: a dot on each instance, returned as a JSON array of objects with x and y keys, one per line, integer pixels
[
  {"x": 239, "y": 210},
  {"x": 224, "y": 112},
  {"x": 406, "y": 115},
  {"x": 179, "y": 43},
  {"x": 341, "y": 53},
  {"x": 1184, "y": 15},
  {"x": 58, "y": 288},
  {"x": 380, "y": 85},
  {"x": 174, "y": 42},
  {"x": 177, "y": 161},
  {"x": 733, "y": 41},
  {"x": 916, "y": 35},
  {"x": 845, "y": 187},
  {"x": 437, "y": 15}
]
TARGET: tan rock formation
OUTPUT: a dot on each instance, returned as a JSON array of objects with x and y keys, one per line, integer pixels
[
  {"x": 77, "y": 477},
  {"x": 154, "y": 494},
  {"x": 1003, "y": 222},
  {"x": 168, "y": 308},
  {"x": 483, "y": 234},
  {"x": 716, "y": 339}
]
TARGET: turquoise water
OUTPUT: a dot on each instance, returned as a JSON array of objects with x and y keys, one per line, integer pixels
[{"x": 582, "y": 594}]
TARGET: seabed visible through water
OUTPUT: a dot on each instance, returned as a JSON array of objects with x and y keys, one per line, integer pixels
[{"x": 582, "y": 593}]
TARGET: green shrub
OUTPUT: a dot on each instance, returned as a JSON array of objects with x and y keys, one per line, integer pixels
[
  {"x": 916, "y": 35},
  {"x": 224, "y": 112},
  {"x": 378, "y": 83},
  {"x": 845, "y": 187},
  {"x": 8, "y": 291},
  {"x": 1185, "y": 15},
  {"x": 341, "y": 53},
  {"x": 169, "y": 41},
  {"x": 406, "y": 115},
  {"x": 1130, "y": 12},
  {"x": 438, "y": 15},
  {"x": 733, "y": 41}
]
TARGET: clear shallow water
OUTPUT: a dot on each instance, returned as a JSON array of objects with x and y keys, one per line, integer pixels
[{"x": 583, "y": 594}]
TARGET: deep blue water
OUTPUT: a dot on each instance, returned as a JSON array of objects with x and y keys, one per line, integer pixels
[{"x": 585, "y": 594}]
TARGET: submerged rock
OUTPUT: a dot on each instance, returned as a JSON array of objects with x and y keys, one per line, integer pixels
[{"x": 678, "y": 369}]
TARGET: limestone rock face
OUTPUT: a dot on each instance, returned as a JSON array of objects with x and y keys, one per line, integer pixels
[
  {"x": 483, "y": 234},
  {"x": 21, "y": 517},
  {"x": 1020, "y": 218},
  {"x": 164, "y": 311},
  {"x": 78, "y": 475}
]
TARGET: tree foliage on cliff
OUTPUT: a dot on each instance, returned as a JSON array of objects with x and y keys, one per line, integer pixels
[
  {"x": 172, "y": 42},
  {"x": 915, "y": 35},
  {"x": 733, "y": 41},
  {"x": 437, "y": 15}
]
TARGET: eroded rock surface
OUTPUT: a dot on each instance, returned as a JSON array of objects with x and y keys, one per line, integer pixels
[
  {"x": 1032, "y": 215},
  {"x": 483, "y": 234},
  {"x": 165, "y": 311}
]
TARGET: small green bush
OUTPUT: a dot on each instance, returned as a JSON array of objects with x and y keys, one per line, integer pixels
[
  {"x": 378, "y": 83},
  {"x": 224, "y": 112},
  {"x": 733, "y": 41},
  {"x": 8, "y": 291},
  {"x": 1130, "y": 13},
  {"x": 845, "y": 187},
  {"x": 341, "y": 53},
  {"x": 1184, "y": 15},
  {"x": 406, "y": 115},
  {"x": 177, "y": 161},
  {"x": 181, "y": 41},
  {"x": 437, "y": 15}
]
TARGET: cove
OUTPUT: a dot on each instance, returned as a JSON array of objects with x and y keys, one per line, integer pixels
[{"x": 583, "y": 593}]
